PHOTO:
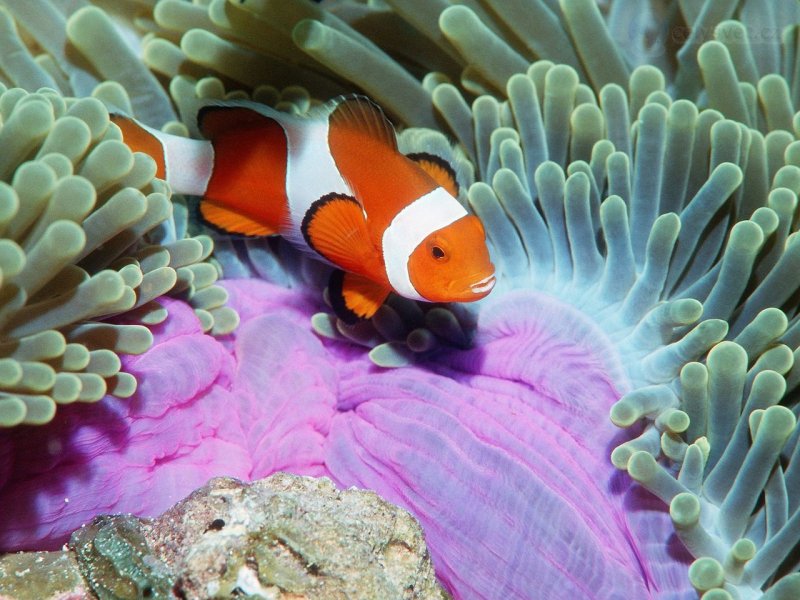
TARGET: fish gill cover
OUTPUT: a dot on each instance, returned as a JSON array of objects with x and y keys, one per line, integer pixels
[{"x": 636, "y": 168}]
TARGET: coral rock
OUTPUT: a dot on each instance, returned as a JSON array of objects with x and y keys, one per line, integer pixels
[
  {"x": 277, "y": 538},
  {"x": 41, "y": 575},
  {"x": 117, "y": 561},
  {"x": 292, "y": 537}
]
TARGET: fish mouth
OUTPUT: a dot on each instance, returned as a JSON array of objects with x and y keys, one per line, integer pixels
[{"x": 484, "y": 286}]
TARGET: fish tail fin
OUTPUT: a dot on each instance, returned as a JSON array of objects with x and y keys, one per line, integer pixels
[
  {"x": 141, "y": 138},
  {"x": 185, "y": 164}
]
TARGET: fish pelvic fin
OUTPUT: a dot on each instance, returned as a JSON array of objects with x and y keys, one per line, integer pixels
[{"x": 355, "y": 297}]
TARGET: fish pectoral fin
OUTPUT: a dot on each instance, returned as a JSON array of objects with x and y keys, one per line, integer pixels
[
  {"x": 438, "y": 169},
  {"x": 336, "y": 228},
  {"x": 355, "y": 297},
  {"x": 231, "y": 221}
]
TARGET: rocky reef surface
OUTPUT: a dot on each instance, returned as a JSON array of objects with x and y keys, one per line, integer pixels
[{"x": 280, "y": 538}]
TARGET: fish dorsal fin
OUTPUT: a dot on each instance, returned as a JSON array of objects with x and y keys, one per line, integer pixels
[
  {"x": 359, "y": 113},
  {"x": 438, "y": 169},
  {"x": 139, "y": 139},
  {"x": 231, "y": 221},
  {"x": 336, "y": 228},
  {"x": 355, "y": 297},
  {"x": 216, "y": 119}
]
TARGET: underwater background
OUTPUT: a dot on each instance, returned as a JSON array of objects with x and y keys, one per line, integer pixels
[{"x": 618, "y": 419}]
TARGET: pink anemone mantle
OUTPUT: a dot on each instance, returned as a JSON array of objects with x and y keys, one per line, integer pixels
[{"x": 500, "y": 451}]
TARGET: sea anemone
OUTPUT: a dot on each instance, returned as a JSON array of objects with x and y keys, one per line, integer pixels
[{"x": 643, "y": 220}]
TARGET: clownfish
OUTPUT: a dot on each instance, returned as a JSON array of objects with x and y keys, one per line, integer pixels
[{"x": 333, "y": 183}]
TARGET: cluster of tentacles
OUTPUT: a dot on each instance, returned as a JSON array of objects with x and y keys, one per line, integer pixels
[{"x": 87, "y": 234}]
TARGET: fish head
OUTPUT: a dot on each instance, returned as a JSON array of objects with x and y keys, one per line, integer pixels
[{"x": 452, "y": 264}]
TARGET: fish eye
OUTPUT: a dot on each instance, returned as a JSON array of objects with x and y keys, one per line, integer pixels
[
  {"x": 438, "y": 248},
  {"x": 437, "y": 253}
]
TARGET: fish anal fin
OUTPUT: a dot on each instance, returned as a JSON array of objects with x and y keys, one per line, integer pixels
[
  {"x": 438, "y": 169},
  {"x": 360, "y": 114},
  {"x": 354, "y": 296},
  {"x": 336, "y": 228},
  {"x": 231, "y": 221},
  {"x": 140, "y": 139}
]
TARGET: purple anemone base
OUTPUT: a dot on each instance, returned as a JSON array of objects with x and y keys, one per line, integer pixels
[{"x": 500, "y": 451}]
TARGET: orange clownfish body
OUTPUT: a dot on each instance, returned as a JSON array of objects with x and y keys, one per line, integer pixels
[{"x": 333, "y": 183}]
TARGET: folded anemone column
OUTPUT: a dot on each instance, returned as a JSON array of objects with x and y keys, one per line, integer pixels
[{"x": 502, "y": 452}]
